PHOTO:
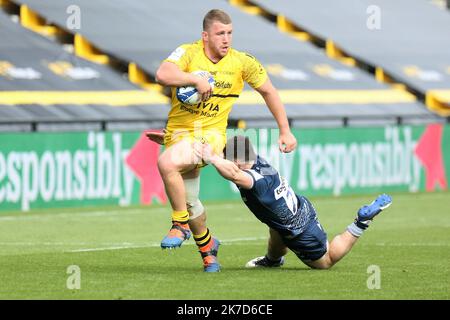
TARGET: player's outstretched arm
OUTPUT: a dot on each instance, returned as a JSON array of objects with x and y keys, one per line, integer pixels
[
  {"x": 230, "y": 171},
  {"x": 226, "y": 168},
  {"x": 286, "y": 141},
  {"x": 170, "y": 75}
]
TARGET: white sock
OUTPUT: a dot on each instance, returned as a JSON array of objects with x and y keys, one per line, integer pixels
[{"x": 358, "y": 227}]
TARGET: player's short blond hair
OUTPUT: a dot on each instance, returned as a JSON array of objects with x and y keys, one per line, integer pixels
[{"x": 215, "y": 15}]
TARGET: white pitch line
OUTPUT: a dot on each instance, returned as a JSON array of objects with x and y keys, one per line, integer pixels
[
  {"x": 71, "y": 215},
  {"x": 411, "y": 244},
  {"x": 124, "y": 212},
  {"x": 157, "y": 245},
  {"x": 61, "y": 243}
]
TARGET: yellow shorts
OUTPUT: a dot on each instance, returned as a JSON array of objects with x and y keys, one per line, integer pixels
[{"x": 216, "y": 140}]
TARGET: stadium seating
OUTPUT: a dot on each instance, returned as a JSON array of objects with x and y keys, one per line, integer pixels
[
  {"x": 44, "y": 87},
  {"x": 404, "y": 41},
  {"x": 317, "y": 90}
]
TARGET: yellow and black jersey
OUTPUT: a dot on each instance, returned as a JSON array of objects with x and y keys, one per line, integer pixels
[{"x": 229, "y": 76}]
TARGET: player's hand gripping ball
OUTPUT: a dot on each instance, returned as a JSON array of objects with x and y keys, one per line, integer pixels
[{"x": 189, "y": 94}]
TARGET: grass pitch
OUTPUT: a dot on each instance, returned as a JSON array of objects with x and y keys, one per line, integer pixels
[{"x": 118, "y": 253}]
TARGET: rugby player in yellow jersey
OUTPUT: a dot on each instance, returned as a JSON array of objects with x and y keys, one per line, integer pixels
[{"x": 206, "y": 122}]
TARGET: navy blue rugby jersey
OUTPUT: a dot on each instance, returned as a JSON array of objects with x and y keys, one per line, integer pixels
[{"x": 274, "y": 202}]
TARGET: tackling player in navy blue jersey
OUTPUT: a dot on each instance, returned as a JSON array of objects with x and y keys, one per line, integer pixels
[{"x": 292, "y": 219}]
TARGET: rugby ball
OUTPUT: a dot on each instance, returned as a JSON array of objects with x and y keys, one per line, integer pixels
[{"x": 189, "y": 94}]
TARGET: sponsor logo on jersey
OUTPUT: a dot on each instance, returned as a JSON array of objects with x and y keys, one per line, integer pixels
[
  {"x": 223, "y": 84},
  {"x": 230, "y": 73},
  {"x": 208, "y": 106},
  {"x": 280, "y": 189},
  {"x": 205, "y": 109}
]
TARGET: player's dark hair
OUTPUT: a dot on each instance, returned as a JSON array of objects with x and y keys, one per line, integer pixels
[
  {"x": 215, "y": 15},
  {"x": 239, "y": 148}
]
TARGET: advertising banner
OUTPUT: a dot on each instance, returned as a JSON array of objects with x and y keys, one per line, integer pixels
[{"x": 43, "y": 170}]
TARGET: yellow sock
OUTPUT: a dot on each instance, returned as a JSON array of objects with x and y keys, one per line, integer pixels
[
  {"x": 180, "y": 216},
  {"x": 202, "y": 239}
]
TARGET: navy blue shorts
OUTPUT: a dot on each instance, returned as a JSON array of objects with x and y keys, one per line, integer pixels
[{"x": 311, "y": 244}]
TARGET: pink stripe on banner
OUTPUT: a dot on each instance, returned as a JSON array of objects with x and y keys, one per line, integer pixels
[
  {"x": 429, "y": 152},
  {"x": 142, "y": 160}
]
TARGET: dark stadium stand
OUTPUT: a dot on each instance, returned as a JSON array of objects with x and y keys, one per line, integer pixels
[
  {"x": 317, "y": 90},
  {"x": 410, "y": 43},
  {"x": 44, "y": 87}
]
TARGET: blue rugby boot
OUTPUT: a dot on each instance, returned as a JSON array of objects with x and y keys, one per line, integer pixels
[
  {"x": 368, "y": 212},
  {"x": 179, "y": 232},
  {"x": 209, "y": 256}
]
